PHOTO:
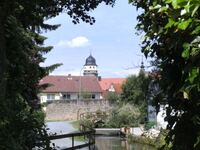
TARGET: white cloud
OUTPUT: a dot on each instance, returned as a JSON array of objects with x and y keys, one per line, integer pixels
[{"x": 80, "y": 41}]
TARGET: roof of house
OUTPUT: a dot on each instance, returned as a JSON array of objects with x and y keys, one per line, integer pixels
[
  {"x": 106, "y": 82},
  {"x": 118, "y": 88},
  {"x": 71, "y": 84}
]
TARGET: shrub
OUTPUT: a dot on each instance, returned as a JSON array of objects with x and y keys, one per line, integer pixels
[{"x": 149, "y": 125}]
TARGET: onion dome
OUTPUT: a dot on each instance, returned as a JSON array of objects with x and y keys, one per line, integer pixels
[{"x": 90, "y": 61}]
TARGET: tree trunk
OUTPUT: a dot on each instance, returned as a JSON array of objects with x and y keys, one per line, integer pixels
[{"x": 2, "y": 56}]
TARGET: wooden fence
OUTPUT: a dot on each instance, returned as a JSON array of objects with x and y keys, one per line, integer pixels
[
  {"x": 90, "y": 135},
  {"x": 87, "y": 133}
]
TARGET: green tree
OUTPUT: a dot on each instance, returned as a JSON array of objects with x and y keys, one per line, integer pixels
[
  {"x": 171, "y": 31},
  {"x": 125, "y": 115},
  {"x": 21, "y": 50},
  {"x": 113, "y": 97},
  {"x": 135, "y": 91}
]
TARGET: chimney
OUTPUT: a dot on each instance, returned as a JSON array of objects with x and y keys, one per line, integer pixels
[{"x": 69, "y": 77}]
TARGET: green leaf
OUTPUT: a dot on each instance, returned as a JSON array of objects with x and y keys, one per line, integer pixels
[
  {"x": 193, "y": 74},
  {"x": 163, "y": 9},
  {"x": 195, "y": 9},
  {"x": 168, "y": 1},
  {"x": 195, "y": 51},
  {"x": 178, "y": 3},
  {"x": 196, "y": 30},
  {"x": 170, "y": 23},
  {"x": 186, "y": 52},
  {"x": 175, "y": 4},
  {"x": 197, "y": 142},
  {"x": 184, "y": 24}
]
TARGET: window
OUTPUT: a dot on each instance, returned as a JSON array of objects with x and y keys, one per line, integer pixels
[
  {"x": 93, "y": 96},
  {"x": 50, "y": 96},
  {"x": 66, "y": 96}
]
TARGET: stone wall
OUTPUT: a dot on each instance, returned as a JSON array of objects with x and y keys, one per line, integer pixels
[{"x": 71, "y": 110}]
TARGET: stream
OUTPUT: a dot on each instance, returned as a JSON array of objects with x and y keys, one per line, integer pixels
[{"x": 102, "y": 142}]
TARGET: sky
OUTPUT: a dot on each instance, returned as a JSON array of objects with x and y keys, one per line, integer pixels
[{"x": 111, "y": 41}]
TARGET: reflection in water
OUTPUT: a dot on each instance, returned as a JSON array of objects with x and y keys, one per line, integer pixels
[
  {"x": 61, "y": 127},
  {"x": 116, "y": 143},
  {"x": 102, "y": 142}
]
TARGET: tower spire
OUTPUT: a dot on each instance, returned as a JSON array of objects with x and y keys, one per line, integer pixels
[
  {"x": 90, "y": 67},
  {"x": 142, "y": 63},
  {"x": 142, "y": 66}
]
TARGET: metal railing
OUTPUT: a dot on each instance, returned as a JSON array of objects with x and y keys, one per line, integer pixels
[{"x": 90, "y": 135}]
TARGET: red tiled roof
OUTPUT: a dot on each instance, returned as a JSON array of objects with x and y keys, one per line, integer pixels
[
  {"x": 118, "y": 88},
  {"x": 106, "y": 82},
  {"x": 71, "y": 84}
]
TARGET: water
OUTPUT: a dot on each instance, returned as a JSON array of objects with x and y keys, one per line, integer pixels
[
  {"x": 61, "y": 127},
  {"x": 116, "y": 143},
  {"x": 102, "y": 142}
]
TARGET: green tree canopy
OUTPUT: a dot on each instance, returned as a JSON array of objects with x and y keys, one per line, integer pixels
[
  {"x": 135, "y": 91},
  {"x": 171, "y": 31}
]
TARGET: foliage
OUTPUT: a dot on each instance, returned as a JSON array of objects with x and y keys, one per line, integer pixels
[
  {"x": 86, "y": 95},
  {"x": 87, "y": 122},
  {"x": 21, "y": 50},
  {"x": 123, "y": 116},
  {"x": 113, "y": 97},
  {"x": 135, "y": 91},
  {"x": 141, "y": 139},
  {"x": 160, "y": 140},
  {"x": 171, "y": 34},
  {"x": 94, "y": 120},
  {"x": 149, "y": 125},
  {"x": 75, "y": 124},
  {"x": 157, "y": 142}
]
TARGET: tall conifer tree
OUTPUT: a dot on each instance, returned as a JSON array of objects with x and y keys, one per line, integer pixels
[{"x": 21, "y": 50}]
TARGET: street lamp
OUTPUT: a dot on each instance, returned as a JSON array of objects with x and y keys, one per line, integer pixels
[{"x": 79, "y": 92}]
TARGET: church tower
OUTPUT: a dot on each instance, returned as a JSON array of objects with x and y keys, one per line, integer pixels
[{"x": 90, "y": 67}]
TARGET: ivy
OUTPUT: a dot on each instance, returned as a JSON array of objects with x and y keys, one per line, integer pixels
[{"x": 172, "y": 38}]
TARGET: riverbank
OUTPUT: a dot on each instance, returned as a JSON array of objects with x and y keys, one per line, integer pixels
[
  {"x": 156, "y": 142},
  {"x": 141, "y": 140},
  {"x": 102, "y": 142}
]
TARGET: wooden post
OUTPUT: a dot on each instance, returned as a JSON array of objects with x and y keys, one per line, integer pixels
[
  {"x": 72, "y": 141},
  {"x": 89, "y": 136}
]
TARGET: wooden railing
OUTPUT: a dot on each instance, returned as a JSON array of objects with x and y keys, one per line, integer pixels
[{"x": 90, "y": 135}]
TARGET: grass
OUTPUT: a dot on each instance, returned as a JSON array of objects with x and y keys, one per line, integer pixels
[
  {"x": 75, "y": 124},
  {"x": 142, "y": 140},
  {"x": 80, "y": 138}
]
